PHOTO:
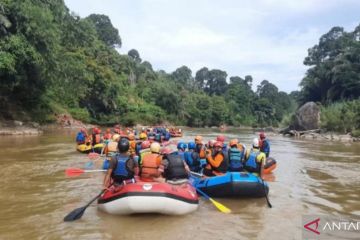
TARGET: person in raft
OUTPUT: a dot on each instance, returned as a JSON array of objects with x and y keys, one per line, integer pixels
[
  {"x": 217, "y": 162},
  {"x": 254, "y": 159},
  {"x": 192, "y": 158},
  {"x": 174, "y": 169},
  {"x": 122, "y": 167},
  {"x": 264, "y": 144},
  {"x": 81, "y": 136},
  {"x": 150, "y": 163},
  {"x": 199, "y": 147},
  {"x": 236, "y": 155}
]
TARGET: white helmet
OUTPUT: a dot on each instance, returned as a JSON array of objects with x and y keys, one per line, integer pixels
[{"x": 256, "y": 143}]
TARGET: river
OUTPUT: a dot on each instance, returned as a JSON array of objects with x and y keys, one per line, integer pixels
[{"x": 312, "y": 177}]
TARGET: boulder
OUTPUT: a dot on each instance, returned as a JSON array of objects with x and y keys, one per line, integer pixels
[{"x": 307, "y": 117}]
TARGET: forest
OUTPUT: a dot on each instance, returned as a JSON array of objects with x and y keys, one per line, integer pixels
[{"x": 53, "y": 61}]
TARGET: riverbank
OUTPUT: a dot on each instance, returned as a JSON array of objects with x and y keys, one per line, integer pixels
[
  {"x": 19, "y": 128},
  {"x": 319, "y": 134}
]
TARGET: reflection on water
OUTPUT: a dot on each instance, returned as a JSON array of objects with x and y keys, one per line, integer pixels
[{"x": 311, "y": 178}]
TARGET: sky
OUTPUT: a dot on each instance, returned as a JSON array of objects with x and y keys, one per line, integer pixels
[{"x": 267, "y": 39}]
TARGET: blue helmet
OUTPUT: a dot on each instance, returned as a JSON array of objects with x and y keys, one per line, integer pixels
[
  {"x": 191, "y": 145},
  {"x": 181, "y": 145}
]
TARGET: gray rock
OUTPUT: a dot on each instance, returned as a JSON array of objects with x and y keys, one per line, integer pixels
[
  {"x": 18, "y": 123},
  {"x": 307, "y": 117}
]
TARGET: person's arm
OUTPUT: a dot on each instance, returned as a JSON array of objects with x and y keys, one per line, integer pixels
[
  {"x": 214, "y": 161},
  {"x": 107, "y": 178}
]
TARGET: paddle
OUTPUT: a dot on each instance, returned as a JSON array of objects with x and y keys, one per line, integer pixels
[
  {"x": 74, "y": 172},
  {"x": 218, "y": 205},
  {"x": 77, "y": 213},
  {"x": 266, "y": 196}
]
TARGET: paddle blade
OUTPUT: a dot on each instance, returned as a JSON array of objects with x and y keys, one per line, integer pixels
[
  {"x": 75, "y": 214},
  {"x": 219, "y": 206},
  {"x": 73, "y": 172}
]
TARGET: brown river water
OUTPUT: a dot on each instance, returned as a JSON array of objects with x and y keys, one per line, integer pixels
[{"x": 312, "y": 177}]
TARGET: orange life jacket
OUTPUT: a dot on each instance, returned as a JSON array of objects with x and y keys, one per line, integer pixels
[
  {"x": 216, "y": 163},
  {"x": 149, "y": 167}
]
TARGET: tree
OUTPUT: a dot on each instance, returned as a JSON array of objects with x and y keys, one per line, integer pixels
[
  {"x": 105, "y": 30},
  {"x": 134, "y": 55},
  {"x": 182, "y": 76}
]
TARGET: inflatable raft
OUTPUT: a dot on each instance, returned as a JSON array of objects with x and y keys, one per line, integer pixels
[
  {"x": 149, "y": 197},
  {"x": 83, "y": 148},
  {"x": 270, "y": 165},
  {"x": 232, "y": 184}
]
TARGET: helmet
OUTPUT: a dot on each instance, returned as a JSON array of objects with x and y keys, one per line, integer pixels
[
  {"x": 165, "y": 151},
  {"x": 198, "y": 139},
  {"x": 211, "y": 143},
  {"x": 256, "y": 143},
  {"x": 262, "y": 135},
  {"x": 155, "y": 147},
  {"x": 145, "y": 144},
  {"x": 142, "y": 136},
  {"x": 218, "y": 144},
  {"x": 131, "y": 136},
  {"x": 233, "y": 142},
  {"x": 191, "y": 145},
  {"x": 123, "y": 145},
  {"x": 220, "y": 138},
  {"x": 182, "y": 145}
]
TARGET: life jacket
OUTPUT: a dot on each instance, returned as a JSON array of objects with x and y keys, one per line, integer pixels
[
  {"x": 149, "y": 166},
  {"x": 235, "y": 160},
  {"x": 111, "y": 147},
  {"x": 132, "y": 146},
  {"x": 167, "y": 136},
  {"x": 121, "y": 171},
  {"x": 222, "y": 168},
  {"x": 80, "y": 138},
  {"x": 193, "y": 161},
  {"x": 96, "y": 138},
  {"x": 175, "y": 169},
  {"x": 181, "y": 154},
  {"x": 251, "y": 164},
  {"x": 265, "y": 147}
]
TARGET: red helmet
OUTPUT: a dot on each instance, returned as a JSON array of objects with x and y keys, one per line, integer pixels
[
  {"x": 145, "y": 144},
  {"x": 166, "y": 151},
  {"x": 220, "y": 138},
  {"x": 262, "y": 135},
  {"x": 218, "y": 144}
]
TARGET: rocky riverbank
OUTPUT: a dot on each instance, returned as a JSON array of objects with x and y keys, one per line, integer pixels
[{"x": 19, "y": 128}]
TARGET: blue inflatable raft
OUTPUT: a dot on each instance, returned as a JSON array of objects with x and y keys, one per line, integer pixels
[{"x": 232, "y": 184}]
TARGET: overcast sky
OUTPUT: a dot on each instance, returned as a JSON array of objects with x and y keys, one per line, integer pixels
[{"x": 267, "y": 39}]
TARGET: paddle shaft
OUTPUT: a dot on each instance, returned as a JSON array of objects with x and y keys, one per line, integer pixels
[{"x": 266, "y": 196}]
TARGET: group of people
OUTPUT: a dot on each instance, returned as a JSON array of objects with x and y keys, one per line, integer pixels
[
  {"x": 221, "y": 158},
  {"x": 150, "y": 161}
]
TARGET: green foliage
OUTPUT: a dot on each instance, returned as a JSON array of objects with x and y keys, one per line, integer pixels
[
  {"x": 335, "y": 71},
  {"x": 341, "y": 117},
  {"x": 52, "y": 61}
]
